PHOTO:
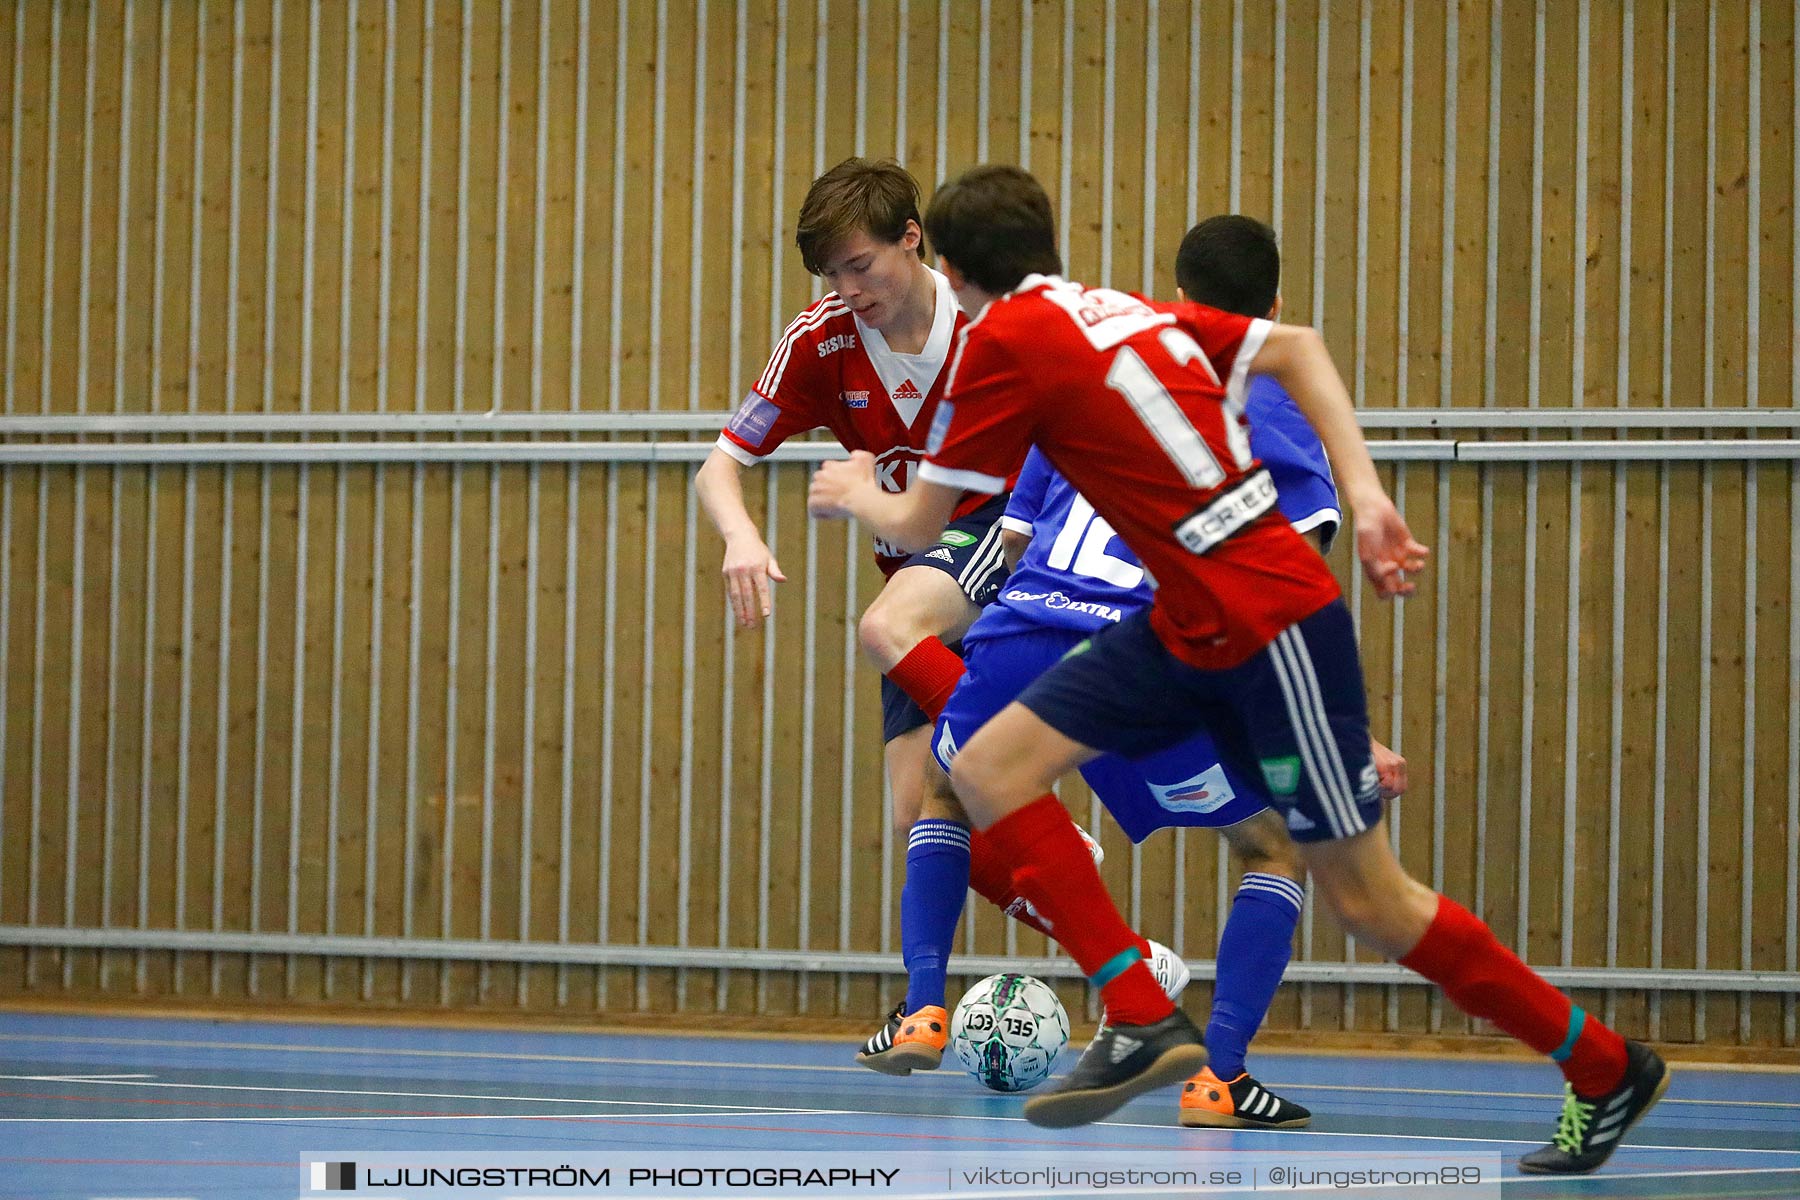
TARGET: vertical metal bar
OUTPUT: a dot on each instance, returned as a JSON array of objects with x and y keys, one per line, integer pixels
[
  {"x": 902, "y": 68},
  {"x": 646, "y": 728},
  {"x": 1489, "y": 367},
  {"x": 728, "y": 682},
  {"x": 378, "y": 547},
  {"x": 297, "y": 730},
  {"x": 862, "y": 76},
  {"x": 609, "y": 640},
  {"x": 1108, "y": 125},
  {"x": 228, "y": 513},
  {"x": 159, "y": 259},
  {"x": 572, "y": 495},
  {"x": 1622, "y": 393},
  {"x": 1236, "y": 171},
  {"x": 52, "y": 142},
  {"x": 113, "y": 673},
  {"x": 496, "y": 402},
  {"x": 1363, "y": 34},
  {"x": 189, "y": 483},
  {"x": 1752, "y": 474},
  {"x": 1065, "y": 131},
  {"x": 78, "y": 542},
  {"x": 459, "y": 387},
  {"x": 983, "y": 100},
  {"x": 1192, "y": 213},
  {"x": 1703, "y": 800},
  {"x": 809, "y": 696},
  {"x": 339, "y": 533},
  {"x": 1403, "y": 303},
  {"x": 416, "y": 547},
  {"x": 943, "y": 91},
  {"x": 533, "y": 489},
  {"x": 766, "y": 777},
  {"x": 258, "y": 809},
  {"x": 1277, "y": 196},
  {"x": 847, "y": 749},
  {"x": 1152, "y": 67},
  {"x": 696, "y": 244},
  {"x": 1578, "y": 389},
  {"x": 821, "y": 79},
  {"x": 1027, "y": 52},
  {"x": 1659, "y": 817},
  {"x": 1534, "y": 369},
  {"x": 1791, "y": 1005},
  {"x": 1446, "y": 397},
  {"x": 1321, "y": 161}
]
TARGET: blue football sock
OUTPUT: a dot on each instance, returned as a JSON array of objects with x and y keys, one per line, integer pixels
[
  {"x": 1253, "y": 953},
  {"x": 937, "y": 879}
]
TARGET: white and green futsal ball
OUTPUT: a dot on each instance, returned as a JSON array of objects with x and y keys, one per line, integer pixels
[{"x": 1007, "y": 1031}]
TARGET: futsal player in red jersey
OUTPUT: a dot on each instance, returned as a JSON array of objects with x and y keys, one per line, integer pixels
[
  {"x": 1140, "y": 406},
  {"x": 868, "y": 361}
]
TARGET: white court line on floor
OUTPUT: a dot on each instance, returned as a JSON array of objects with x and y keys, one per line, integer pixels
[
  {"x": 610, "y": 1060},
  {"x": 288, "y": 1120},
  {"x": 319, "y": 1091},
  {"x": 73, "y": 1078},
  {"x": 773, "y": 1110}
]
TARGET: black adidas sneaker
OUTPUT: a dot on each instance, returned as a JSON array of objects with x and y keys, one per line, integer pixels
[
  {"x": 1208, "y": 1102},
  {"x": 1588, "y": 1131},
  {"x": 1123, "y": 1061}
]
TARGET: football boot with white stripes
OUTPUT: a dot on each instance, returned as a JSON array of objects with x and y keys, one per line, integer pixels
[
  {"x": 907, "y": 1042},
  {"x": 1241, "y": 1104},
  {"x": 1122, "y": 1062},
  {"x": 1588, "y": 1131}
]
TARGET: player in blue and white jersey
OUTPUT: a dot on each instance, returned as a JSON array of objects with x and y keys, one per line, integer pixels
[{"x": 1072, "y": 576}]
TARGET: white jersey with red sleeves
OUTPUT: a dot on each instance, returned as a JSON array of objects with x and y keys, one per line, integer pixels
[
  {"x": 1140, "y": 406},
  {"x": 831, "y": 370}
]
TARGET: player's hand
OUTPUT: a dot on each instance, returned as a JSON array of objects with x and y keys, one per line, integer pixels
[
  {"x": 1387, "y": 548},
  {"x": 748, "y": 569},
  {"x": 836, "y": 483},
  {"x": 1392, "y": 770}
]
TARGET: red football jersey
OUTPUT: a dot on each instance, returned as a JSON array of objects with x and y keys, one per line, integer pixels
[
  {"x": 1140, "y": 405},
  {"x": 831, "y": 370}
]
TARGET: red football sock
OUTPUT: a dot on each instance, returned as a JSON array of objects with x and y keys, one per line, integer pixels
[
  {"x": 992, "y": 880},
  {"x": 928, "y": 673},
  {"x": 1483, "y": 978},
  {"x": 1053, "y": 869}
]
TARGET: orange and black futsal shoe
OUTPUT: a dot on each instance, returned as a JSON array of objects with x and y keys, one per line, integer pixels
[
  {"x": 907, "y": 1042},
  {"x": 1241, "y": 1104}
]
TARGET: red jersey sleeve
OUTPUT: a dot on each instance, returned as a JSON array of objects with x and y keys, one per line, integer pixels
[
  {"x": 785, "y": 400},
  {"x": 1229, "y": 340},
  {"x": 984, "y": 425}
]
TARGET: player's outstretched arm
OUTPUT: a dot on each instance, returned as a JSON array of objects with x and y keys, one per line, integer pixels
[
  {"x": 1296, "y": 356},
  {"x": 911, "y": 520},
  {"x": 749, "y": 566}
]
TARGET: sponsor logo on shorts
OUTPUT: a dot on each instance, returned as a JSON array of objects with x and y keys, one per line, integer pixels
[
  {"x": 941, "y": 554},
  {"x": 1297, "y": 821},
  {"x": 1080, "y": 647},
  {"x": 946, "y": 745},
  {"x": 1369, "y": 788},
  {"x": 1282, "y": 774},
  {"x": 855, "y": 399},
  {"x": 1203, "y": 793},
  {"x": 956, "y": 537}
]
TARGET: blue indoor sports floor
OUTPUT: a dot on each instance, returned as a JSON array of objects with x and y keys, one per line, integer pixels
[{"x": 106, "y": 1106}]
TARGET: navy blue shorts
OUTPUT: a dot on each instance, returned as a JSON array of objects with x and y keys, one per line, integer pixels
[
  {"x": 969, "y": 552},
  {"x": 1294, "y": 714},
  {"x": 1183, "y": 785}
]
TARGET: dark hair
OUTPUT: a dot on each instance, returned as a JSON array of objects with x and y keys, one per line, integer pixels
[
  {"x": 994, "y": 222},
  {"x": 1230, "y": 262},
  {"x": 875, "y": 197}
]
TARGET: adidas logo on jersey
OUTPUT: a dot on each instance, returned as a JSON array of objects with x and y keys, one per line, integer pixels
[
  {"x": 906, "y": 391},
  {"x": 1298, "y": 822},
  {"x": 942, "y": 554}
]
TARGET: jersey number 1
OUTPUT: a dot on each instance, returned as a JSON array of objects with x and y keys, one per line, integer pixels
[{"x": 1132, "y": 378}]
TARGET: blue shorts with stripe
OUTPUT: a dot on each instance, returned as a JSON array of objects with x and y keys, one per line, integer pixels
[
  {"x": 969, "y": 551},
  {"x": 1183, "y": 785},
  {"x": 1292, "y": 715}
]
